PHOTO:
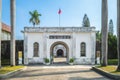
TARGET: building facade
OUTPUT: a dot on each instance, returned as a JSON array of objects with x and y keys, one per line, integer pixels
[
  {"x": 50, "y": 42},
  {"x": 6, "y": 32}
]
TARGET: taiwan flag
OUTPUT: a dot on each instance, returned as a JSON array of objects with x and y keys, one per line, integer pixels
[{"x": 59, "y": 12}]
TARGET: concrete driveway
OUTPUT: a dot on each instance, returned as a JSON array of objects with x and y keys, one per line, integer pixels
[{"x": 56, "y": 72}]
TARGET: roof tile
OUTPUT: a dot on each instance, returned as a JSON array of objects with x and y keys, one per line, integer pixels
[{"x": 5, "y": 27}]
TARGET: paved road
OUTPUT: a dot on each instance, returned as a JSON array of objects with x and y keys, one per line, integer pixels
[{"x": 65, "y": 72}]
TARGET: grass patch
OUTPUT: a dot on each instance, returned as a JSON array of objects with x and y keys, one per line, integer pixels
[
  {"x": 110, "y": 69},
  {"x": 7, "y": 69},
  {"x": 112, "y": 61},
  {"x": 116, "y": 72}
]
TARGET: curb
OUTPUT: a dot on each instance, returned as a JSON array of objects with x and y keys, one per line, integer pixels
[
  {"x": 104, "y": 73},
  {"x": 12, "y": 73}
]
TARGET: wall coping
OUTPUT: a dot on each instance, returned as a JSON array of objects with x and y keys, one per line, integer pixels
[{"x": 59, "y": 29}]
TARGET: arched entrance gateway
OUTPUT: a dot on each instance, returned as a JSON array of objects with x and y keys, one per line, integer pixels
[
  {"x": 59, "y": 52},
  {"x": 60, "y": 42}
]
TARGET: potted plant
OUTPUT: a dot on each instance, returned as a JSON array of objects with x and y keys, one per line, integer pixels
[
  {"x": 47, "y": 61},
  {"x": 71, "y": 61}
]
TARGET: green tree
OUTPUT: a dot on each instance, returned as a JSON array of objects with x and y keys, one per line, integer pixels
[
  {"x": 111, "y": 31},
  {"x": 0, "y": 28},
  {"x": 86, "y": 22},
  {"x": 34, "y": 17},
  {"x": 104, "y": 32},
  {"x": 98, "y": 36},
  {"x": 13, "y": 22},
  {"x": 112, "y": 46},
  {"x": 118, "y": 33}
]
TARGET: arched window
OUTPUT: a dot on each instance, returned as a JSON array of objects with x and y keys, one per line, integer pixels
[
  {"x": 36, "y": 49},
  {"x": 83, "y": 49}
]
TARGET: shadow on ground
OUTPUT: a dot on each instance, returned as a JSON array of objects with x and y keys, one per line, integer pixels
[
  {"x": 48, "y": 73},
  {"x": 81, "y": 78}
]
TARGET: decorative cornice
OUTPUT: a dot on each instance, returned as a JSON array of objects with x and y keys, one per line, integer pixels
[{"x": 59, "y": 29}]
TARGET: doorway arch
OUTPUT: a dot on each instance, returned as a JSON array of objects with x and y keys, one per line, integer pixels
[
  {"x": 60, "y": 53},
  {"x": 59, "y": 43}
]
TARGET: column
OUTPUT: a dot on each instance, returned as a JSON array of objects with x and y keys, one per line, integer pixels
[
  {"x": 93, "y": 46},
  {"x": 73, "y": 45},
  {"x": 44, "y": 45},
  {"x": 25, "y": 49}
]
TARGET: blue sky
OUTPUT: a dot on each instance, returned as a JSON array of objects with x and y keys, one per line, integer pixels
[{"x": 72, "y": 13}]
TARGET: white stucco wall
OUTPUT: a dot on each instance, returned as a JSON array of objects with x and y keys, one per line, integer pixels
[
  {"x": 32, "y": 38},
  {"x": 42, "y": 37},
  {"x": 87, "y": 38}
]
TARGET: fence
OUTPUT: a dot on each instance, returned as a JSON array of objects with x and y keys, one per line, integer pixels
[{"x": 5, "y": 51}]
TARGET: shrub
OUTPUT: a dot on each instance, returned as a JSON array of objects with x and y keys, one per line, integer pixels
[
  {"x": 112, "y": 61},
  {"x": 46, "y": 60},
  {"x": 71, "y": 60}
]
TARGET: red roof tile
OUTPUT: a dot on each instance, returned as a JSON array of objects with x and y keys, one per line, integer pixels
[{"x": 5, "y": 27}]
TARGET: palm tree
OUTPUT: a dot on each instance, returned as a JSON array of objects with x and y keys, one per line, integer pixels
[
  {"x": 34, "y": 17},
  {"x": 104, "y": 32},
  {"x": 0, "y": 28},
  {"x": 12, "y": 45},
  {"x": 118, "y": 33}
]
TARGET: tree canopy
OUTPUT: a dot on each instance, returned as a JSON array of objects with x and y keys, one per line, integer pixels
[
  {"x": 86, "y": 22},
  {"x": 34, "y": 17},
  {"x": 111, "y": 31},
  {"x": 112, "y": 44}
]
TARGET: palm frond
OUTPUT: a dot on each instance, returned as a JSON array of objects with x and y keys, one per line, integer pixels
[
  {"x": 31, "y": 19},
  {"x": 39, "y": 15},
  {"x": 30, "y": 13},
  {"x": 34, "y": 17}
]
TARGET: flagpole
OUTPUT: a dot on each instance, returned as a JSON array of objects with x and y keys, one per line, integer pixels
[
  {"x": 59, "y": 20},
  {"x": 59, "y": 12}
]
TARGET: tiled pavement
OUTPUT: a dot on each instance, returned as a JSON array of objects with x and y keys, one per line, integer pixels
[
  {"x": 58, "y": 71},
  {"x": 53, "y": 72}
]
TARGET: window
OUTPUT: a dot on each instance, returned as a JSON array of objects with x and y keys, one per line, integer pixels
[
  {"x": 36, "y": 49},
  {"x": 83, "y": 49}
]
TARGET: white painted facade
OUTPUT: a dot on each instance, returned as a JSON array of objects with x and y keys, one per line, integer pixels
[{"x": 71, "y": 45}]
